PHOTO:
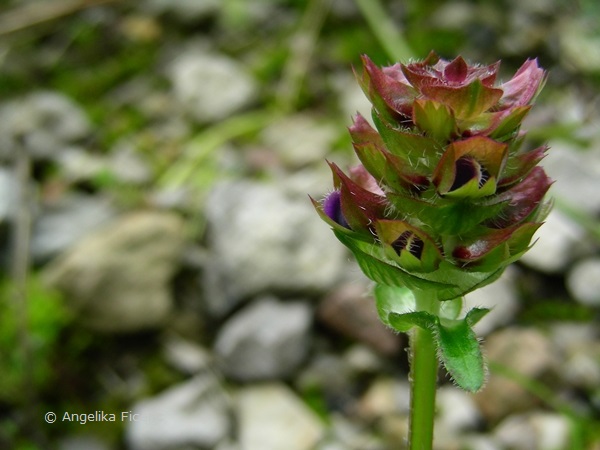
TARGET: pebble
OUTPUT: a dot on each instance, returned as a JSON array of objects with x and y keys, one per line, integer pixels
[
  {"x": 267, "y": 339},
  {"x": 386, "y": 396},
  {"x": 555, "y": 244},
  {"x": 117, "y": 278},
  {"x": 194, "y": 413},
  {"x": 534, "y": 430},
  {"x": 8, "y": 190},
  {"x": 301, "y": 139},
  {"x": 272, "y": 417},
  {"x": 211, "y": 86},
  {"x": 45, "y": 120},
  {"x": 456, "y": 411},
  {"x": 583, "y": 281},
  {"x": 186, "y": 356},
  {"x": 260, "y": 240},
  {"x": 500, "y": 297},
  {"x": 524, "y": 350},
  {"x": 352, "y": 313},
  {"x": 63, "y": 222},
  {"x": 577, "y": 175}
]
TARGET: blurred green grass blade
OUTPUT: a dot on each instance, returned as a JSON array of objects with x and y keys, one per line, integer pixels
[
  {"x": 202, "y": 147},
  {"x": 385, "y": 30},
  {"x": 302, "y": 46}
]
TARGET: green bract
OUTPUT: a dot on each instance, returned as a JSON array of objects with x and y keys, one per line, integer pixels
[{"x": 446, "y": 196}]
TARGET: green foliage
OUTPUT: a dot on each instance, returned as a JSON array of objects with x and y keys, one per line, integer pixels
[
  {"x": 46, "y": 318},
  {"x": 456, "y": 343}
]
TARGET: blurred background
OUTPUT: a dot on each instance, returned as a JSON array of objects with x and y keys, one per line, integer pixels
[{"x": 164, "y": 281}]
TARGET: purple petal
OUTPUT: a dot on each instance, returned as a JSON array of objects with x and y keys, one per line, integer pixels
[
  {"x": 523, "y": 86},
  {"x": 332, "y": 207}
]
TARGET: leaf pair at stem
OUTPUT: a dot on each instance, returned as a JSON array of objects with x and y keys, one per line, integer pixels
[{"x": 456, "y": 343}]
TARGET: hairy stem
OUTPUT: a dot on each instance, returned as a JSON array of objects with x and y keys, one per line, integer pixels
[{"x": 423, "y": 378}]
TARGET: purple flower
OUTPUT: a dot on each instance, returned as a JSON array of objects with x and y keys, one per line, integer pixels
[{"x": 443, "y": 183}]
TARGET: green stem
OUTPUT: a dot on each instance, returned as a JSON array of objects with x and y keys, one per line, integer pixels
[{"x": 423, "y": 378}]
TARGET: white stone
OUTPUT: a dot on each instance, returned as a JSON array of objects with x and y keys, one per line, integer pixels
[
  {"x": 62, "y": 223},
  {"x": 186, "y": 356},
  {"x": 194, "y": 413},
  {"x": 500, "y": 297},
  {"x": 261, "y": 239},
  {"x": 558, "y": 240},
  {"x": 301, "y": 139},
  {"x": 385, "y": 396},
  {"x": 536, "y": 430},
  {"x": 117, "y": 278},
  {"x": 267, "y": 339},
  {"x": 45, "y": 120},
  {"x": 583, "y": 281},
  {"x": 576, "y": 175},
  {"x": 456, "y": 410},
  {"x": 8, "y": 191},
  {"x": 272, "y": 417},
  {"x": 209, "y": 86}
]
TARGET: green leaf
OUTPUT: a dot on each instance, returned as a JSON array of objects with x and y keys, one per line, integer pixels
[
  {"x": 457, "y": 345},
  {"x": 434, "y": 119},
  {"x": 460, "y": 353},
  {"x": 510, "y": 123},
  {"x": 375, "y": 266},
  {"x": 404, "y": 322},
  {"x": 393, "y": 299},
  {"x": 446, "y": 216},
  {"x": 450, "y": 309},
  {"x": 420, "y": 151},
  {"x": 475, "y": 315}
]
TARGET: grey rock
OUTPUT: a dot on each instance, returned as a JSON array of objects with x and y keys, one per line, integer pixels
[
  {"x": 535, "y": 430},
  {"x": 363, "y": 359},
  {"x": 117, "y": 278},
  {"x": 558, "y": 241},
  {"x": 194, "y": 414},
  {"x": 577, "y": 175},
  {"x": 60, "y": 224},
  {"x": 272, "y": 417},
  {"x": 186, "y": 356},
  {"x": 524, "y": 350},
  {"x": 127, "y": 165},
  {"x": 261, "y": 240},
  {"x": 456, "y": 412},
  {"x": 75, "y": 164},
  {"x": 480, "y": 442},
  {"x": 331, "y": 374},
  {"x": 500, "y": 297},
  {"x": 8, "y": 190},
  {"x": 82, "y": 442},
  {"x": 583, "y": 281},
  {"x": 385, "y": 396},
  {"x": 211, "y": 86},
  {"x": 267, "y": 339},
  {"x": 348, "y": 434},
  {"x": 580, "y": 350},
  {"x": 45, "y": 121},
  {"x": 350, "y": 312},
  {"x": 300, "y": 139}
]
